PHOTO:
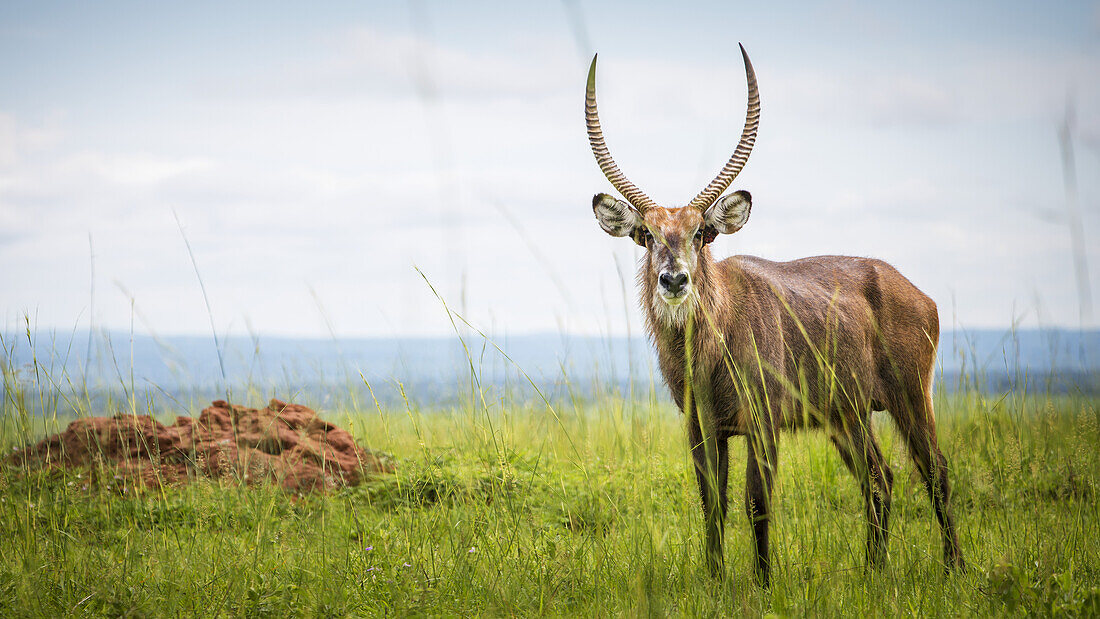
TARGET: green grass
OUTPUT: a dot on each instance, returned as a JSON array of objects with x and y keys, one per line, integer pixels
[{"x": 590, "y": 509}]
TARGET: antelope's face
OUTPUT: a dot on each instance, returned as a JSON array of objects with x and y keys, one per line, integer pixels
[{"x": 674, "y": 238}]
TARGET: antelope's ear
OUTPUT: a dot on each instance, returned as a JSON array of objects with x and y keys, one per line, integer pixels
[
  {"x": 615, "y": 216},
  {"x": 729, "y": 213}
]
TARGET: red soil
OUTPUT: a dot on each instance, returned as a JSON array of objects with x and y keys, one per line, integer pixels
[{"x": 284, "y": 443}]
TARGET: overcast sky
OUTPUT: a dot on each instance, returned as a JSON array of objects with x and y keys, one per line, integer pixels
[{"x": 316, "y": 154}]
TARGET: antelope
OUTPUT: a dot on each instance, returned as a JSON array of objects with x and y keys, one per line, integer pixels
[{"x": 749, "y": 347}]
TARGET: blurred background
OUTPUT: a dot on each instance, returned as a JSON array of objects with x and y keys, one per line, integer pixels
[{"x": 314, "y": 158}]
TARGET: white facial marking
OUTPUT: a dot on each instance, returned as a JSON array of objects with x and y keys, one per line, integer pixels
[
  {"x": 673, "y": 311},
  {"x": 679, "y": 265}
]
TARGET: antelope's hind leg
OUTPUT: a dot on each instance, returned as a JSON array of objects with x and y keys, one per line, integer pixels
[
  {"x": 917, "y": 423},
  {"x": 861, "y": 454}
]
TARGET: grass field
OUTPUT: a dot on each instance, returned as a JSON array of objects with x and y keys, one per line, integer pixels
[{"x": 587, "y": 508}]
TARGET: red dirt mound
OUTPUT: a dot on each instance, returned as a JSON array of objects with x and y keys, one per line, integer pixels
[{"x": 285, "y": 443}]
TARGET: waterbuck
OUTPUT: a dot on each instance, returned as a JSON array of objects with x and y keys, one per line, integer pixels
[{"x": 749, "y": 347}]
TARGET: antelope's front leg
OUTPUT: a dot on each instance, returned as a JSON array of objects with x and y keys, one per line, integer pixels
[
  {"x": 710, "y": 456},
  {"x": 759, "y": 475}
]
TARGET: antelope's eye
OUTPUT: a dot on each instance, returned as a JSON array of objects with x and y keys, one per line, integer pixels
[{"x": 698, "y": 234}]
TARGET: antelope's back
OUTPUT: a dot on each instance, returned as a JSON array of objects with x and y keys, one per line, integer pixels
[{"x": 857, "y": 315}]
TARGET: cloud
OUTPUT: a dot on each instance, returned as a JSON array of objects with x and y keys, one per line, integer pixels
[
  {"x": 19, "y": 138},
  {"x": 341, "y": 170},
  {"x": 980, "y": 87},
  {"x": 370, "y": 62},
  {"x": 63, "y": 191},
  {"x": 137, "y": 170}
]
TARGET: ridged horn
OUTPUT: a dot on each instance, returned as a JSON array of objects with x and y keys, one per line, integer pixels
[
  {"x": 744, "y": 147},
  {"x": 633, "y": 195}
]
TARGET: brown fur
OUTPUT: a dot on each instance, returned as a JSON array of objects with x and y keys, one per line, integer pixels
[{"x": 816, "y": 342}]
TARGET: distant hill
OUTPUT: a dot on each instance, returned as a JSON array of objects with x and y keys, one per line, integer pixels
[{"x": 431, "y": 369}]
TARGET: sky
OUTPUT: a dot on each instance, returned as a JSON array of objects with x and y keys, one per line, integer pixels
[{"x": 323, "y": 167}]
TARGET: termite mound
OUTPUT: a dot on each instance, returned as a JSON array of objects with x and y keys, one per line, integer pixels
[{"x": 286, "y": 444}]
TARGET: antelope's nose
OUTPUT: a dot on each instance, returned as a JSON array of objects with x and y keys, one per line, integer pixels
[{"x": 673, "y": 282}]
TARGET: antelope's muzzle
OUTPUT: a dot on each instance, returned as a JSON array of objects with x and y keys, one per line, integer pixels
[{"x": 673, "y": 284}]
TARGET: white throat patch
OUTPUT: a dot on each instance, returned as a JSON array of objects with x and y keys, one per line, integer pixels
[{"x": 670, "y": 315}]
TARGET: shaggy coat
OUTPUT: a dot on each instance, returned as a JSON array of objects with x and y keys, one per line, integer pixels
[{"x": 818, "y": 342}]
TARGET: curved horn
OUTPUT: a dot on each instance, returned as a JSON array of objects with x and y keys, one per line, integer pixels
[
  {"x": 741, "y": 154},
  {"x": 633, "y": 195}
]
